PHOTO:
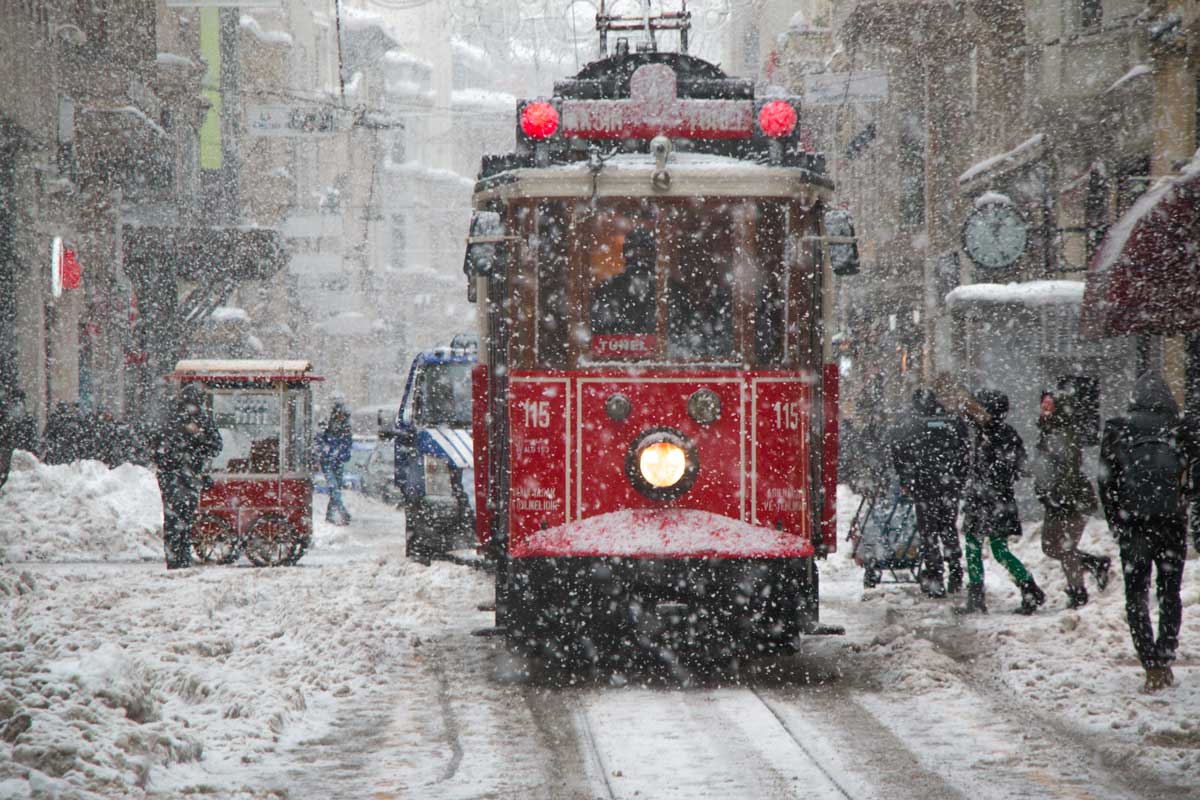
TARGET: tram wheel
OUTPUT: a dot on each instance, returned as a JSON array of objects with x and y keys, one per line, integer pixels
[
  {"x": 214, "y": 541},
  {"x": 271, "y": 542}
]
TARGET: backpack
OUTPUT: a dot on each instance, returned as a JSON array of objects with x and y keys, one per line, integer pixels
[
  {"x": 1152, "y": 473},
  {"x": 932, "y": 457}
]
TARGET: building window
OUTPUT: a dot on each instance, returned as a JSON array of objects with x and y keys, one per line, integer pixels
[
  {"x": 399, "y": 238},
  {"x": 750, "y": 44},
  {"x": 1133, "y": 179},
  {"x": 911, "y": 161},
  {"x": 1091, "y": 13}
]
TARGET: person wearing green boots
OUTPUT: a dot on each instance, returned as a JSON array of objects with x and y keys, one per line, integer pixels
[{"x": 990, "y": 510}]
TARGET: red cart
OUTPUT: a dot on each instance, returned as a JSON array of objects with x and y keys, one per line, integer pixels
[{"x": 259, "y": 501}]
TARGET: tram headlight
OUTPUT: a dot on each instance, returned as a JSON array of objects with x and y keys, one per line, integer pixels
[{"x": 662, "y": 464}]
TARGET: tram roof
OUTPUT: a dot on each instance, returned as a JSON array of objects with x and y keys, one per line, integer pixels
[{"x": 631, "y": 174}]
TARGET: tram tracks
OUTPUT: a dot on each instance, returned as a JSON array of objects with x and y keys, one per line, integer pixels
[{"x": 696, "y": 743}]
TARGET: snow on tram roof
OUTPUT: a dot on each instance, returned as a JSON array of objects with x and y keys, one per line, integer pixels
[
  {"x": 630, "y": 174},
  {"x": 241, "y": 366}
]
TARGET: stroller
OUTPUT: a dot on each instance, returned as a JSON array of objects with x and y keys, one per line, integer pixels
[{"x": 883, "y": 537}]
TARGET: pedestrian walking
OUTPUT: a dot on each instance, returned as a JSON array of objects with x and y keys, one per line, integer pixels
[
  {"x": 333, "y": 448},
  {"x": 182, "y": 448},
  {"x": 1143, "y": 464},
  {"x": 1066, "y": 495},
  {"x": 990, "y": 511},
  {"x": 930, "y": 451}
]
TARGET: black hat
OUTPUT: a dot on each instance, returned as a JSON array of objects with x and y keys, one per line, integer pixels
[{"x": 994, "y": 402}]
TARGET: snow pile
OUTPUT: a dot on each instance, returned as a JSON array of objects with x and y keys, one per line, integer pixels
[
  {"x": 1029, "y": 293},
  {"x": 79, "y": 511},
  {"x": 193, "y": 682}
]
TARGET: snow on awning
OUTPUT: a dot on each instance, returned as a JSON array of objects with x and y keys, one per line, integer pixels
[
  {"x": 208, "y": 367},
  {"x": 229, "y": 314},
  {"x": 1030, "y": 293},
  {"x": 1026, "y": 151},
  {"x": 483, "y": 100},
  {"x": 1145, "y": 277},
  {"x": 252, "y": 25}
]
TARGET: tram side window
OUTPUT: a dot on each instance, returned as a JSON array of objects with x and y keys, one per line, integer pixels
[
  {"x": 700, "y": 288},
  {"x": 771, "y": 288},
  {"x": 552, "y": 261}
]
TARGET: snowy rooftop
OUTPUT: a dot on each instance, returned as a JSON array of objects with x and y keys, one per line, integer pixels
[{"x": 1030, "y": 293}]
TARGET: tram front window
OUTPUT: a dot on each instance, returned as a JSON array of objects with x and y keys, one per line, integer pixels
[
  {"x": 444, "y": 395},
  {"x": 700, "y": 297},
  {"x": 625, "y": 302}
]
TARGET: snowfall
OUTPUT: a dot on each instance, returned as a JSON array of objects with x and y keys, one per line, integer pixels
[{"x": 355, "y": 674}]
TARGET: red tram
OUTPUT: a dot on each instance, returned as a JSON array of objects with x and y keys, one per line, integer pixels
[{"x": 655, "y": 411}]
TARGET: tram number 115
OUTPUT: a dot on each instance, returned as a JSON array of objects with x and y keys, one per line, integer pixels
[
  {"x": 537, "y": 413},
  {"x": 787, "y": 415}
]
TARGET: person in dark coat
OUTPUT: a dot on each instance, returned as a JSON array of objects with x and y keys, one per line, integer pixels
[
  {"x": 1143, "y": 463},
  {"x": 930, "y": 452},
  {"x": 625, "y": 303},
  {"x": 18, "y": 429},
  {"x": 334, "y": 446},
  {"x": 1066, "y": 496},
  {"x": 63, "y": 435},
  {"x": 990, "y": 509},
  {"x": 182, "y": 448}
]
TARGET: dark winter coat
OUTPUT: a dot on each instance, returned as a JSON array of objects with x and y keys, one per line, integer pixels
[
  {"x": 336, "y": 441},
  {"x": 1134, "y": 486},
  {"x": 625, "y": 303},
  {"x": 990, "y": 508},
  {"x": 1058, "y": 479},
  {"x": 64, "y": 438},
  {"x": 930, "y": 450},
  {"x": 185, "y": 443}
]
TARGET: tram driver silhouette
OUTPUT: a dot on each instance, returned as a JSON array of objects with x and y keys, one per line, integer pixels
[{"x": 625, "y": 303}]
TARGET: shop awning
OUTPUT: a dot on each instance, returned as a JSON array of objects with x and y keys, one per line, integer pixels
[
  {"x": 1145, "y": 278},
  {"x": 204, "y": 254}
]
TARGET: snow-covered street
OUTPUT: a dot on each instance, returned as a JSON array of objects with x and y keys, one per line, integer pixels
[{"x": 356, "y": 675}]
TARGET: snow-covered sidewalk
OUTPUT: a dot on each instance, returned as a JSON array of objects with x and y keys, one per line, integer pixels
[
  {"x": 356, "y": 670},
  {"x": 120, "y": 679},
  {"x": 1076, "y": 671}
]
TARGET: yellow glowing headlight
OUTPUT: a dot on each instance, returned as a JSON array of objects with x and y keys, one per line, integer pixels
[{"x": 662, "y": 464}]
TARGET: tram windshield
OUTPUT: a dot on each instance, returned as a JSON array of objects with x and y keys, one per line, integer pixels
[
  {"x": 443, "y": 395},
  {"x": 663, "y": 280}
]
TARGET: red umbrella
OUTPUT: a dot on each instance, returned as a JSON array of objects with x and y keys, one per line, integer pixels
[{"x": 1145, "y": 278}]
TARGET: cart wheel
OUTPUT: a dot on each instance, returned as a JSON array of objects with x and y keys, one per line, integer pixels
[
  {"x": 299, "y": 548},
  {"x": 270, "y": 541},
  {"x": 215, "y": 541}
]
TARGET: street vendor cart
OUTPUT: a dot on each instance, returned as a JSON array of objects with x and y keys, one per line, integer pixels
[{"x": 259, "y": 498}]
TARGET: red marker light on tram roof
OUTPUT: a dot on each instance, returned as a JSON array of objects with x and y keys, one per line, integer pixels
[
  {"x": 777, "y": 118},
  {"x": 539, "y": 120}
]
